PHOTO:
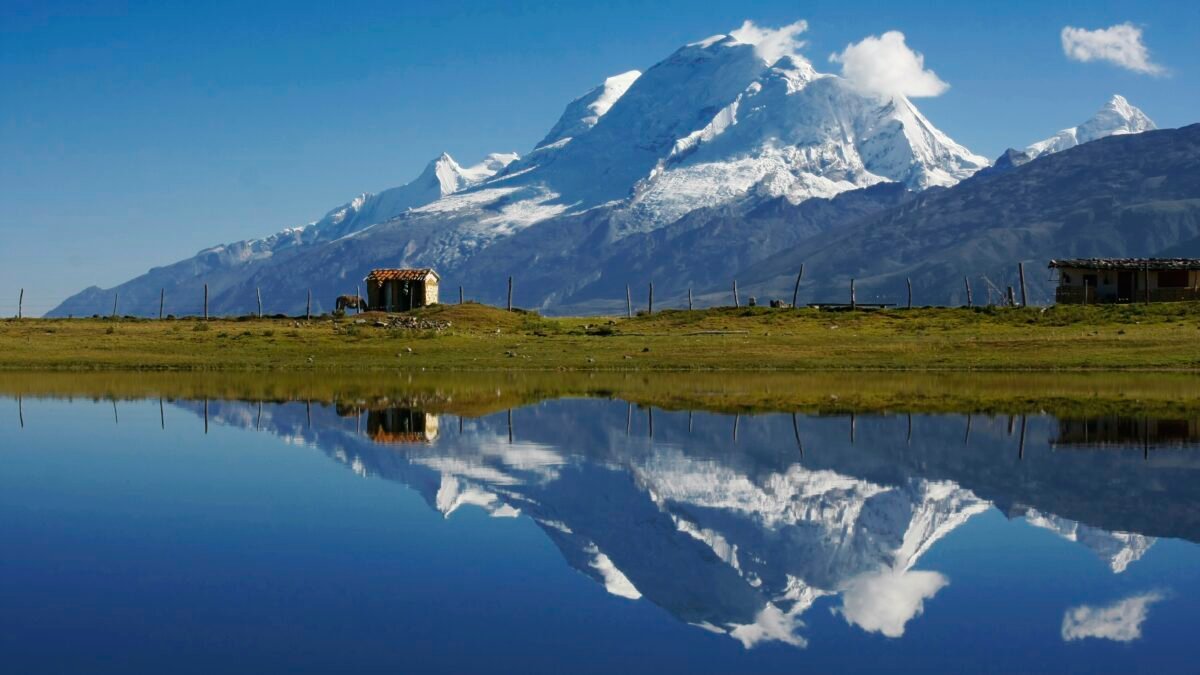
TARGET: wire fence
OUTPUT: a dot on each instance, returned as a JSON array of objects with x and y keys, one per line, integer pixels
[{"x": 976, "y": 291}]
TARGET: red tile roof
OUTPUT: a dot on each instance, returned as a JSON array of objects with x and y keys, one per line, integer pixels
[{"x": 401, "y": 274}]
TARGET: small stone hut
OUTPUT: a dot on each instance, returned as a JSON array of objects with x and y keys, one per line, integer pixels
[
  {"x": 399, "y": 290},
  {"x": 1101, "y": 280},
  {"x": 399, "y": 426}
]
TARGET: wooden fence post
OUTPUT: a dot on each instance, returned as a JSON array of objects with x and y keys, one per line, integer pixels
[
  {"x": 967, "y": 283},
  {"x": 650, "y": 306},
  {"x": 258, "y": 294},
  {"x": 796, "y": 290},
  {"x": 308, "y": 307},
  {"x": 206, "y": 302},
  {"x": 1021, "y": 447},
  {"x": 690, "y": 305},
  {"x": 460, "y": 295},
  {"x": 628, "y": 302},
  {"x": 1021, "y": 273},
  {"x": 853, "y": 298},
  {"x": 1012, "y": 299},
  {"x": 909, "y": 282},
  {"x": 116, "y": 296},
  {"x": 20, "y": 303},
  {"x": 1146, "y": 280},
  {"x": 736, "y": 302},
  {"x": 162, "y": 297},
  {"x": 510, "y": 284}
]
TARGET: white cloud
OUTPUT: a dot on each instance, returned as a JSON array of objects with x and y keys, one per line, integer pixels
[
  {"x": 1121, "y": 621},
  {"x": 772, "y": 44},
  {"x": 1120, "y": 45},
  {"x": 884, "y": 601},
  {"x": 770, "y": 624},
  {"x": 886, "y": 65}
]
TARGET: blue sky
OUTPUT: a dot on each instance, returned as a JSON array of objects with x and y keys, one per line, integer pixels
[{"x": 134, "y": 134}]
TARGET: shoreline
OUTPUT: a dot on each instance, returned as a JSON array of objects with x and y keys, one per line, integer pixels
[{"x": 1070, "y": 395}]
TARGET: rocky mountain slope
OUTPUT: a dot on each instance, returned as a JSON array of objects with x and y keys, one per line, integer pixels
[{"x": 1124, "y": 195}]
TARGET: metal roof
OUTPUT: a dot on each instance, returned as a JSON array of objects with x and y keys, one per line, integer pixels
[
  {"x": 1129, "y": 263},
  {"x": 401, "y": 274}
]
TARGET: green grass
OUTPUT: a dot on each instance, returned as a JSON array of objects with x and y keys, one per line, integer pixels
[
  {"x": 1067, "y": 338},
  {"x": 1169, "y": 395}
]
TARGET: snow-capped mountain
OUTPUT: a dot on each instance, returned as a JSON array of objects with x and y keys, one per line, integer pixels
[
  {"x": 718, "y": 122},
  {"x": 712, "y": 123},
  {"x": 441, "y": 177},
  {"x": 1116, "y": 117}
]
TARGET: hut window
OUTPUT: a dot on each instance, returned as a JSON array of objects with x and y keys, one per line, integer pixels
[
  {"x": 1066, "y": 278},
  {"x": 1172, "y": 278}
]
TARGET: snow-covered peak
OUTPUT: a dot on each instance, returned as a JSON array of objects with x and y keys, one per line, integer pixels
[
  {"x": 583, "y": 113},
  {"x": 798, "y": 133},
  {"x": 1117, "y": 549},
  {"x": 1116, "y": 117},
  {"x": 447, "y": 176},
  {"x": 442, "y": 176}
]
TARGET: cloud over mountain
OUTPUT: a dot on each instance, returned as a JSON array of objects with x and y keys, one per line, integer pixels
[
  {"x": 886, "y": 65},
  {"x": 1120, "y": 45},
  {"x": 772, "y": 44}
]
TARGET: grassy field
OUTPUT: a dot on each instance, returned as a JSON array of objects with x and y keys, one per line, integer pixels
[
  {"x": 1169, "y": 395},
  {"x": 481, "y": 338}
]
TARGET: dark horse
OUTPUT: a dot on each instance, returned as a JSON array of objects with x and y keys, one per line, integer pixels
[{"x": 351, "y": 301}]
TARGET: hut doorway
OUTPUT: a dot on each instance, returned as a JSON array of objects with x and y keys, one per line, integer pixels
[
  {"x": 398, "y": 296},
  {"x": 1125, "y": 286}
]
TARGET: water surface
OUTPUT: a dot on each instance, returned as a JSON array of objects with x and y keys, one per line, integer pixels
[{"x": 589, "y": 535}]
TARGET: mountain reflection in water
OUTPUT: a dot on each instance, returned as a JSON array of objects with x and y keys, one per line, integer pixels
[{"x": 739, "y": 524}]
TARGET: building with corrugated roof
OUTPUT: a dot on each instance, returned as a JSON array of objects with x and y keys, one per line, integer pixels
[{"x": 1106, "y": 280}]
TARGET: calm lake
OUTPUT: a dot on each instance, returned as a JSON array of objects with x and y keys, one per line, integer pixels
[{"x": 426, "y": 533}]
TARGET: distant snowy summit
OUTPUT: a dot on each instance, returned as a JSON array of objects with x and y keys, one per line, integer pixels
[
  {"x": 441, "y": 177},
  {"x": 1117, "y": 117}
]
